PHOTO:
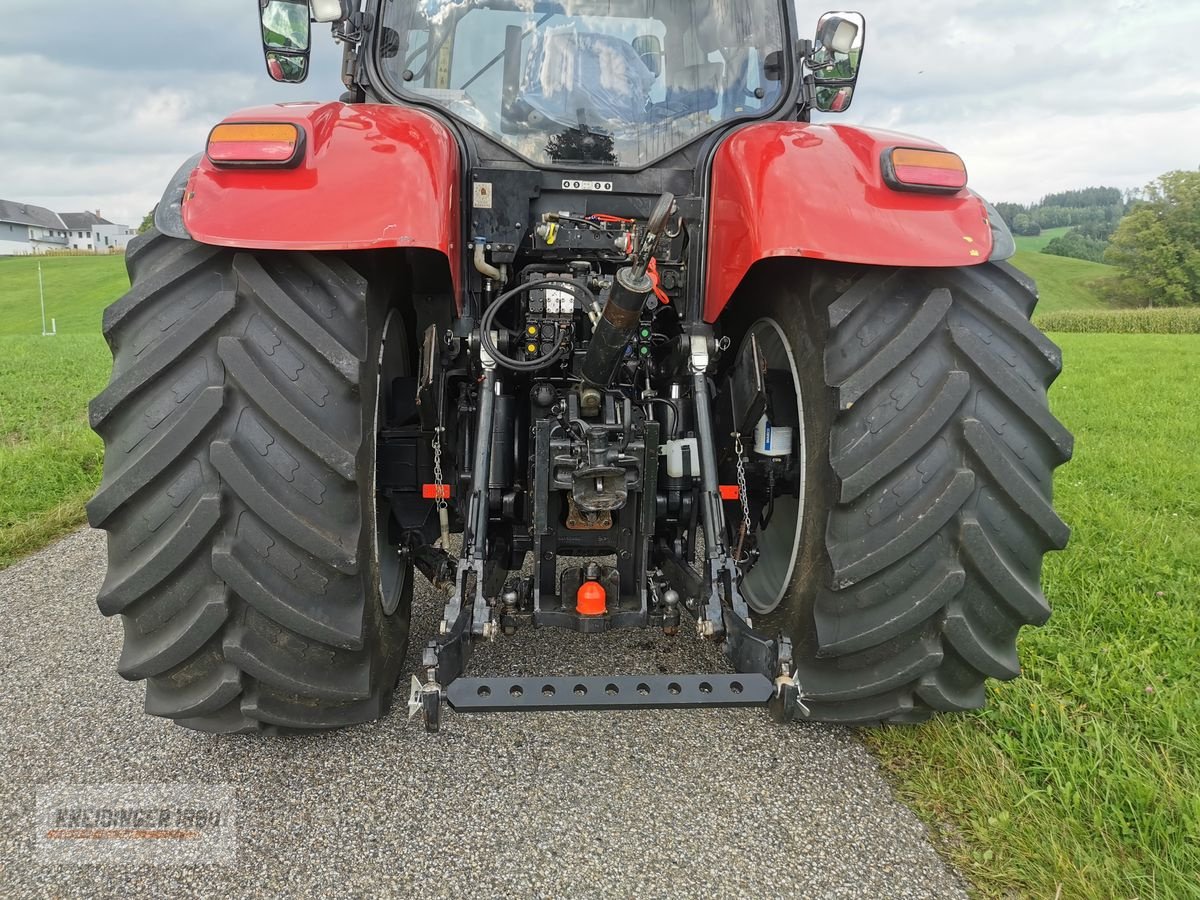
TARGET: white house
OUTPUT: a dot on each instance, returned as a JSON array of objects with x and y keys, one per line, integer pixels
[
  {"x": 90, "y": 231},
  {"x": 25, "y": 228},
  {"x": 112, "y": 237}
]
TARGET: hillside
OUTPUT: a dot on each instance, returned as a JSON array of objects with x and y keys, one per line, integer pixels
[
  {"x": 77, "y": 290},
  {"x": 1038, "y": 244},
  {"x": 1064, "y": 283}
]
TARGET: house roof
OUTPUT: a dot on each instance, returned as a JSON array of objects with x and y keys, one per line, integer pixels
[
  {"x": 27, "y": 214},
  {"x": 82, "y": 221}
]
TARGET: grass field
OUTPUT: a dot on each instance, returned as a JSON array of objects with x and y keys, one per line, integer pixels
[
  {"x": 77, "y": 290},
  {"x": 1085, "y": 773},
  {"x": 1038, "y": 244},
  {"x": 49, "y": 458},
  {"x": 1065, "y": 284}
]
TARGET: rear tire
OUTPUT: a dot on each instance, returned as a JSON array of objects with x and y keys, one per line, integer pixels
[
  {"x": 238, "y": 490},
  {"x": 927, "y": 507}
]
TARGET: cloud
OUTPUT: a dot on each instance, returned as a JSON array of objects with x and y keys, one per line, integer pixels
[
  {"x": 102, "y": 108},
  {"x": 1039, "y": 97},
  {"x": 102, "y": 102}
]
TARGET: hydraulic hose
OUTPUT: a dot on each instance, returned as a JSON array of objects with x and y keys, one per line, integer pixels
[{"x": 489, "y": 318}]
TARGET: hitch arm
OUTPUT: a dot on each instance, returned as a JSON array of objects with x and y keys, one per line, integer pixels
[
  {"x": 721, "y": 572},
  {"x": 464, "y": 619}
]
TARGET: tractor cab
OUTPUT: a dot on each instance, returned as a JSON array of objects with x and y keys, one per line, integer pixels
[{"x": 599, "y": 83}]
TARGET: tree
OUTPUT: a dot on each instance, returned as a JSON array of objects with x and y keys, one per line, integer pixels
[
  {"x": 1157, "y": 245},
  {"x": 1084, "y": 199},
  {"x": 1025, "y": 226},
  {"x": 148, "y": 222},
  {"x": 1010, "y": 211},
  {"x": 1077, "y": 245}
]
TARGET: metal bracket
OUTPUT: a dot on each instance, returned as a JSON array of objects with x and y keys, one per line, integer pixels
[
  {"x": 698, "y": 357},
  {"x": 426, "y": 699},
  {"x": 613, "y": 692}
]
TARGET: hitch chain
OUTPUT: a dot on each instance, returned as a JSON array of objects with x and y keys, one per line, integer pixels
[
  {"x": 740, "y": 450},
  {"x": 443, "y": 507}
]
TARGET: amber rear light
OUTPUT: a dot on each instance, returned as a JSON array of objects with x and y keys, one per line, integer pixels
[
  {"x": 937, "y": 171},
  {"x": 256, "y": 144}
]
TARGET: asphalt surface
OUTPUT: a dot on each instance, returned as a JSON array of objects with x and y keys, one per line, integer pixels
[{"x": 709, "y": 803}]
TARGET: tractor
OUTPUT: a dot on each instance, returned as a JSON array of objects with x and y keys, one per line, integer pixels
[{"x": 569, "y": 308}]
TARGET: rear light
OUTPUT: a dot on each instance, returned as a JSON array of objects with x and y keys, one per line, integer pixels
[
  {"x": 937, "y": 171},
  {"x": 256, "y": 144}
]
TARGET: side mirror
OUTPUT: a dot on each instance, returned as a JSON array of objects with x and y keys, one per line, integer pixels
[
  {"x": 835, "y": 59},
  {"x": 650, "y": 49},
  {"x": 286, "y": 38}
]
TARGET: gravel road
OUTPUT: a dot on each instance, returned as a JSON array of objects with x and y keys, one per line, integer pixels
[{"x": 712, "y": 803}]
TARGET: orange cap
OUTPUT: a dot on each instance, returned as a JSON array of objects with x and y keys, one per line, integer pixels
[{"x": 591, "y": 599}]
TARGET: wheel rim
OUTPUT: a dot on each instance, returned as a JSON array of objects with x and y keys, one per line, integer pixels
[
  {"x": 393, "y": 570},
  {"x": 765, "y": 585}
]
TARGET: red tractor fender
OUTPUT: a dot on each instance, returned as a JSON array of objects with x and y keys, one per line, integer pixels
[
  {"x": 371, "y": 177},
  {"x": 783, "y": 189}
]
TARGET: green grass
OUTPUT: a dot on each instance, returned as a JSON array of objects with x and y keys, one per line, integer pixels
[
  {"x": 49, "y": 458},
  {"x": 1064, "y": 283},
  {"x": 1084, "y": 774},
  {"x": 1038, "y": 244},
  {"x": 77, "y": 290}
]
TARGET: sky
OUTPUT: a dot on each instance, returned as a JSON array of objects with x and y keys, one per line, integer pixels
[{"x": 101, "y": 102}]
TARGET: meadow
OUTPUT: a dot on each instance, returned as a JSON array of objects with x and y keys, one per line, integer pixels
[
  {"x": 1065, "y": 284},
  {"x": 1083, "y": 776},
  {"x": 49, "y": 458}
]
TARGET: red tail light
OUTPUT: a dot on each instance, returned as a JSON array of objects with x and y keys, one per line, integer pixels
[
  {"x": 938, "y": 171},
  {"x": 256, "y": 144}
]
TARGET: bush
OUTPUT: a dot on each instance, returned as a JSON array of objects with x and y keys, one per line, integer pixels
[
  {"x": 1025, "y": 226},
  {"x": 1076, "y": 245},
  {"x": 1123, "y": 321}
]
